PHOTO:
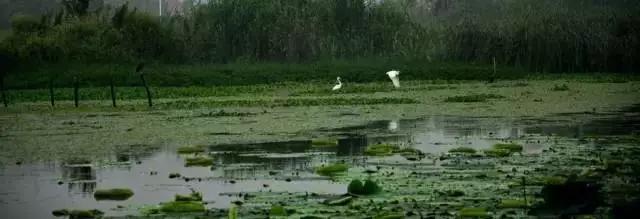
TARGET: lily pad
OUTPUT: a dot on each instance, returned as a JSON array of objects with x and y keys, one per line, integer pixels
[{"x": 113, "y": 194}]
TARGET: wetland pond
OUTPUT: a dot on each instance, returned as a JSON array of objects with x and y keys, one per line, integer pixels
[{"x": 432, "y": 182}]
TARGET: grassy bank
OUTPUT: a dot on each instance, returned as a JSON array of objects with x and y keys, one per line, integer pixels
[{"x": 61, "y": 75}]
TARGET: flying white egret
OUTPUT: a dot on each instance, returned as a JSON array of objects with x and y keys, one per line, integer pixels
[
  {"x": 338, "y": 86},
  {"x": 393, "y": 75}
]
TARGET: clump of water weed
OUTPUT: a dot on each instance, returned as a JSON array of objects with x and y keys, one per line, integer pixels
[
  {"x": 472, "y": 98},
  {"x": 324, "y": 142},
  {"x": 388, "y": 215},
  {"x": 113, "y": 194},
  {"x": 199, "y": 161},
  {"x": 182, "y": 207},
  {"x": 563, "y": 87},
  {"x": 233, "y": 212},
  {"x": 381, "y": 150},
  {"x": 513, "y": 148},
  {"x": 369, "y": 187},
  {"x": 277, "y": 211},
  {"x": 463, "y": 150},
  {"x": 503, "y": 150},
  {"x": 331, "y": 169},
  {"x": 473, "y": 213},
  {"x": 497, "y": 152},
  {"x": 191, "y": 149},
  {"x": 94, "y": 213},
  {"x": 77, "y": 161},
  {"x": 512, "y": 203},
  {"x": 194, "y": 196},
  {"x": 60, "y": 212},
  {"x": 343, "y": 200}
]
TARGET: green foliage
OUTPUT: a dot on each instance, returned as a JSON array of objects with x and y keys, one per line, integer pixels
[
  {"x": 60, "y": 212},
  {"x": 324, "y": 142},
  {"x": 473, "y": 98},
  {"x": 195, "y": 196},
  {"x": 191, "y": 149},
  {"x": 497, "y": 152},
  {"x": 369, "y": 187},
  {"x": 464, "y": 150},
  {"x": 277, "y": 211},
  {"x": 473, "y": 213},
  {"x": 233, "y": 212},
  {"x": 323, "y": 35},
  {"x": 511, "y": 147},
  {"x": 25, "y": 24},
  {"x": 381, "y": 150},
  {"x": 199, "y": 161},
  {"x": 85, "y": 213},
  {"x": 355, "y": 187},
  {"x": 512, "y": 203},
  {"x": 76, "y": 7},
  {"x": 113, "y": 194},
  {"x": 563, "y": 87},
  {"x": 182, "y": 207},
  {"x": 554, "y": 180},
  {"x": 331, "y": 169}
]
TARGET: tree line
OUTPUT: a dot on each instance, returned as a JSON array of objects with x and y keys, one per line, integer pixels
[{"x": 538, "y": 35}]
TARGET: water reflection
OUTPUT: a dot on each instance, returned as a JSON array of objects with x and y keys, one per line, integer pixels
[
  {"x": 81, "y": 179},
  {"x": 32, "y": 190}
]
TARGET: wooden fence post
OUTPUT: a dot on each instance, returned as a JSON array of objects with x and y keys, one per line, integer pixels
[
  {"x": 113, "y": 92},
  {"x": 75, "y": 91},
  {"x": 4, "y": 96},
  {"x": 51, "y": 93}
]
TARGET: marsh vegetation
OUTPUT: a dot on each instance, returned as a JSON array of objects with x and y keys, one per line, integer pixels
[{"x": 225, "y": 110}]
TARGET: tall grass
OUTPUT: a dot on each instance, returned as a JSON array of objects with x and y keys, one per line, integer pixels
[{"x": 219, "y": 36}]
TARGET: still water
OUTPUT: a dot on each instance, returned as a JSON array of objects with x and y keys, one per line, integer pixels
[{"x": 33, "y": 190}]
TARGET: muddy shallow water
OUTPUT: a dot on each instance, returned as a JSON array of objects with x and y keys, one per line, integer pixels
[{"x": 33, "y": 190}]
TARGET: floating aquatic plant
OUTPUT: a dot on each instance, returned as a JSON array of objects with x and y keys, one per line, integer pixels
[
  {"x": 338, "y": 201},
  {"x": 381, "y": 150},
  {"x": 182, "y": 207},
  {"x": 513, "y": 148},
  {"x": 324, "y": 142},
  {"x": 512, "y": 203},
  {"x": 199, "y": 161},
  {"x": 233, "y": 212},
  {"x": 369, "y": 187},
  {"x": 277, "y": 211},
  {"x": 94, "y": 213},
  {"x": 191, "y": 149},
  {"x": 113, "y": 194},
  {"x": 331, "y": 169},
  {"x": 194, "y": 196},
  {"x": 463, "y": 150},
  {"x": 497, "y": 152},
  {"x": 473, "y": 213}
]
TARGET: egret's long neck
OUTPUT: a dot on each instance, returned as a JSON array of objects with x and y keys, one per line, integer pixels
[{"x": 339, "y": 82}]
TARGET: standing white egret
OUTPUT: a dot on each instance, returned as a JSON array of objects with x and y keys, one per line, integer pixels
[
  {"x": 393, "y": 75},
  {"x": 338, "y": 86},
  {"x": 393, "y": 125}
]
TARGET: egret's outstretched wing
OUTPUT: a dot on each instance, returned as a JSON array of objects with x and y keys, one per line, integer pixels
[
  {"x": 396, "y": 81},
  {"x": 393, "y": 75}
]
